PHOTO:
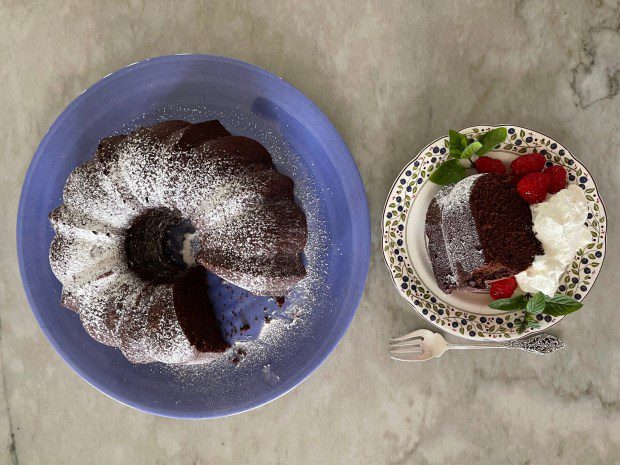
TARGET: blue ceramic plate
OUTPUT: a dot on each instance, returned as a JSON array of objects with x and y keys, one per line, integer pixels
[{"x": 252, "y": 102}]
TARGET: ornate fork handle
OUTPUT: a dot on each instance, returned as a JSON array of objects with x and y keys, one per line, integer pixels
[
  {"x": 542, "y": 344},
  {"x": 538, "y": 343}
]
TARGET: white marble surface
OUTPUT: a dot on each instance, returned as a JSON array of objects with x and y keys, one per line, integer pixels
[{"x": 391, "y": 75}]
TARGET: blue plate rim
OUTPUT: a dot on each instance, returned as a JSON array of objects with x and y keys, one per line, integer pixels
[{"x": 361, "y": 254}]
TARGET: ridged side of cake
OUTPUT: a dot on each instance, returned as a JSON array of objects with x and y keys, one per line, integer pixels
[{"x": 108, "y": 251}]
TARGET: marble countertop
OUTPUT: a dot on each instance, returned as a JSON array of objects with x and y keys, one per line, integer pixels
[{"x": 391, "y": 75}]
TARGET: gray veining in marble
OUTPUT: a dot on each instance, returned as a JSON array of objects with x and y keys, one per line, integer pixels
[{"x": 391, "y": 75}]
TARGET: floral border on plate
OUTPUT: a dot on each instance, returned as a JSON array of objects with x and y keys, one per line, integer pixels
[{"x": 577, "y": 281}]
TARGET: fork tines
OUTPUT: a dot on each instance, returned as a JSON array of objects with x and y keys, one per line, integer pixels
[{"x": 406, "y": 348}]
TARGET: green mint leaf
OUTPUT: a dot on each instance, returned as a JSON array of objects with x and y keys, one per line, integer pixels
[
  {"x": 457, "y": 143},
  {"x": 449, "y": 172},
  {"x": 464, "y": 142},
  {"x": 491, "y": 139},
  {"x": 471, "y": 149},
  {"x": 513, "y": 303},
  {"x": 561, "y": 305},
  {"x": 536, "y": 304}
]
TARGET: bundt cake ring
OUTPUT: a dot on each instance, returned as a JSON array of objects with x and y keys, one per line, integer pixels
[{"x": 144, "y": 220}]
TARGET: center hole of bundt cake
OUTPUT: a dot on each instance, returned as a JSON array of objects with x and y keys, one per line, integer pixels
[{"x": 154, "y": 245}]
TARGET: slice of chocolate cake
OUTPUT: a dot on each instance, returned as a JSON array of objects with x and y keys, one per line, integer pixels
[{"x": 479, "y": 230}]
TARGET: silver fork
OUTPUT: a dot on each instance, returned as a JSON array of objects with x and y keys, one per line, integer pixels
[{"x": 423, "y": 344}]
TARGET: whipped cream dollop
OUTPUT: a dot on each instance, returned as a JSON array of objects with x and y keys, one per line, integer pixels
[{"x": 559, "y": 226}]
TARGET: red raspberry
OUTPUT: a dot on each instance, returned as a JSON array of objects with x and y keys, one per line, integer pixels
[
  {"x": 503, "y": 288},
  {"x": 530, "y": 163},
  {"x": 533, "y": 187},
  {"x": 489, "y": 165},
  {"x": 557, "y": 174}
]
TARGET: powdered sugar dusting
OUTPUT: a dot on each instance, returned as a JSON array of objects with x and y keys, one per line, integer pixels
[
  {"x": 227, "y": 201},
  {"x": 149, "y": 183},
  {"x": 463, "y": 246},
  {"x": 296, "y": 319},
  {"x": 298, "y": 316}
]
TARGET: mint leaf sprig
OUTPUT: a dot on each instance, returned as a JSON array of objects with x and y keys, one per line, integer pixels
[
  {"x": 451, "y": 171},
  {"x": 532, "y": 305}
]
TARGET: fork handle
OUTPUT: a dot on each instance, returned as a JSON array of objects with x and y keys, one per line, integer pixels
[
  {"x": 475, "y": 345},
  {"x": 541, "y": 344}
]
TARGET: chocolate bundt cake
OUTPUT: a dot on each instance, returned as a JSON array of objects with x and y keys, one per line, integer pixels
[
  {"x": 144, "y": 220},
  {"x": 477, "y": 231}
]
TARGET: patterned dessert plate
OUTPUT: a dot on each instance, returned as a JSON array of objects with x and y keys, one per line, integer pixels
[{"x": 461, "y": 313}]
